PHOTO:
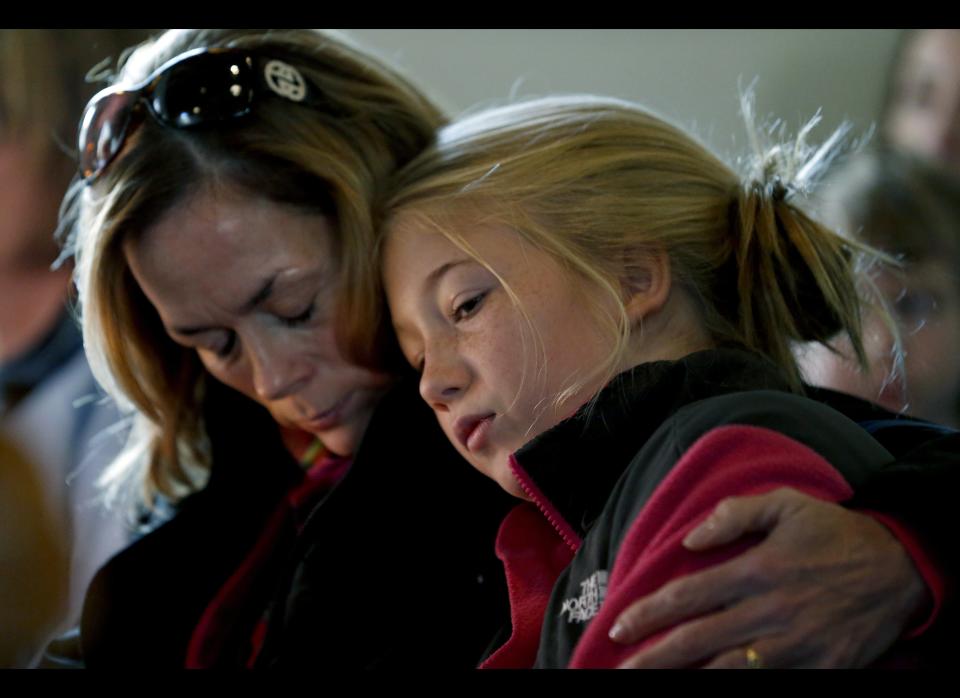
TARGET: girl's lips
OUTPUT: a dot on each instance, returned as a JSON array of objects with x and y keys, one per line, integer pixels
[
  {"x": 478, "y": 438},
  {"x": 472, "y": 432}
]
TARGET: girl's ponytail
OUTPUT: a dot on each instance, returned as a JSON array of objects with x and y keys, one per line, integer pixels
[{"x": 796, "y": 280}]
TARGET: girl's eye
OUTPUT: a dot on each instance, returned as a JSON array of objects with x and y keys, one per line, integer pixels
[
  {"x": 300, "y": 318},
  {"x": 468, "y": 307}
]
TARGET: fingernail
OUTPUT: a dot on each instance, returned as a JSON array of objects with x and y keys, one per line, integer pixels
[
  {"x": 692, "y": 538},
  {"x": 617, "y": 632},
  {"x": 700, "y": 534}
]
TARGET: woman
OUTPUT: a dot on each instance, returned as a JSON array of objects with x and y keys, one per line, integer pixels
[
  {"x": 220, "y": 242},
  {"x": 236, "y": 532}
]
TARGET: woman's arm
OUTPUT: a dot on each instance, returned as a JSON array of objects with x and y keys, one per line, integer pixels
[
  {"x": 805, "y": 534},
  {"x": 726, "y": 462},
  {"x": 837, "y": 585}
]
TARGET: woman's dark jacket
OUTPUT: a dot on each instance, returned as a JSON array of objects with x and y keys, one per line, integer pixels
[{"x": 397, "y": 561}]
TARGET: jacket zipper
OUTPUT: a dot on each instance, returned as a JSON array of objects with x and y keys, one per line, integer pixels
[{"x": 563, "y": 529}]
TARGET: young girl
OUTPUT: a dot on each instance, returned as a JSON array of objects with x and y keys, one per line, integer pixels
[{"x": 603, "y": 315}]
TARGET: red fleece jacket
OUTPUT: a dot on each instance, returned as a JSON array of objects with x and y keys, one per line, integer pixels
[{"x": 727, "y": 461}]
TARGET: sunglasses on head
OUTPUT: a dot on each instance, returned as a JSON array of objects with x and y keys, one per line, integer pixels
[{"x": 198, "y": 88}]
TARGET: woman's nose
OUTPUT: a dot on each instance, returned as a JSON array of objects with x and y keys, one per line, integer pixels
[{"x": 278, "y": 371}]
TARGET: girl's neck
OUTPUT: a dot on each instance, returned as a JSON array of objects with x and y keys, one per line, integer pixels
[{"x": 671, "y": 333}]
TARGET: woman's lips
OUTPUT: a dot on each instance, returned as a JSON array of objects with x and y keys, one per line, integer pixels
[{"x": 328, "y": 419}]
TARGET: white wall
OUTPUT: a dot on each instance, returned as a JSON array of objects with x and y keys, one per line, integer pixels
[{"x": 688, "y": 75}]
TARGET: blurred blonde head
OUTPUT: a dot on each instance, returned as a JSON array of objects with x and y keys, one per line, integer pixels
[{"x": 33, "y": 585}]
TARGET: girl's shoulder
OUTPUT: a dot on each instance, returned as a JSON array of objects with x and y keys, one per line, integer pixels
[{"x": 745, "y": 415}]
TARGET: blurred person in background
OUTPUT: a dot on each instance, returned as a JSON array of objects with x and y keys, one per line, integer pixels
[
  {"x": 910, "y": 209},
  {"x": 921, "y": 113},
  {"x": 51, "y": 411}
]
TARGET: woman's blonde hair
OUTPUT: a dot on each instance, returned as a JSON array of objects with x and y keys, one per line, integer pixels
[
  {"x": 332, "y": 162},
  {"x": 602, "y": 184}
]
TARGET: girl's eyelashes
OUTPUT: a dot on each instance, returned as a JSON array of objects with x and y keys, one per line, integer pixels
[{"x": 468, "y": 307}]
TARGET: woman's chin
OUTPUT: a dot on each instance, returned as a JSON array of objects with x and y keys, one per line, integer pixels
[{"x": 340, "y": 442}]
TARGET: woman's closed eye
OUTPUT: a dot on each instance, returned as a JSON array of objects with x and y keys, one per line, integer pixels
[
  {"x": 300, "y": 318},
  {"x": 224, "y": 349},
  {"x": 221, "y": 343}
]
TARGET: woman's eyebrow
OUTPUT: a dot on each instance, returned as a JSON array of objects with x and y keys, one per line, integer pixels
[{"x": 262, "y": 294}]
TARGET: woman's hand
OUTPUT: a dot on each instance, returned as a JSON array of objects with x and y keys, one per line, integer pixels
[{"x": 827, "y": 587}]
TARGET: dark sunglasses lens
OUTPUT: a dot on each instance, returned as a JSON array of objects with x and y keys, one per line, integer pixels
[
  {"x": 103, "y": 131},
  {"x": 207, "y": 88}
]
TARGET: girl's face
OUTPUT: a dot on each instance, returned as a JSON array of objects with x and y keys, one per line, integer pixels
[
  {"x": 251, "y": 286},
  {"x": 482, "y": 369},
  {"x": 926, "y": 306}
]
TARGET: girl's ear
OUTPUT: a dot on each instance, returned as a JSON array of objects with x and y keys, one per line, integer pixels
[{"x": 648, "y": 287}]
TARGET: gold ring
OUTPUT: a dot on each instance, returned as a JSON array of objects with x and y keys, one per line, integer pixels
[{"x": 753, "y": 659}]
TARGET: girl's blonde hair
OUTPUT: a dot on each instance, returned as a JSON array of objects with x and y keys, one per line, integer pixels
[
  {"x": 332, "y": 162},
  {"x": 601, "y": 185}
]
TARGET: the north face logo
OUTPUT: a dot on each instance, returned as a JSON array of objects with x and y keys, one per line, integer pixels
[{"x": 592, "y": 593}]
